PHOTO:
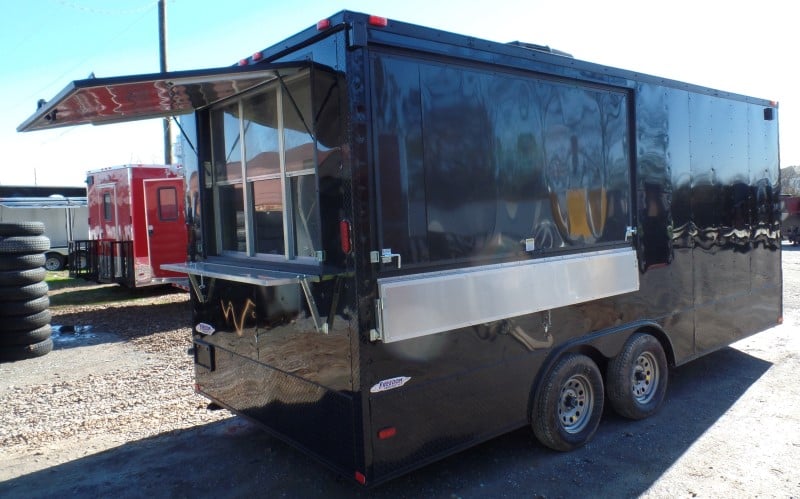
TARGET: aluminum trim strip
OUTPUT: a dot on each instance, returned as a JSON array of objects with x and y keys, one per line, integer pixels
[{"x": 430, "y": 303}]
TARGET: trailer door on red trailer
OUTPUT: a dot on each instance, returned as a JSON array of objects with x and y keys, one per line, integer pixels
[
  {"x": 103, "y": 224},
  {"x": 166, "y": 225}
]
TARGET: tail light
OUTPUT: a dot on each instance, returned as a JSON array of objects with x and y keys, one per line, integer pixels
[{"x": 344, "y": 235}]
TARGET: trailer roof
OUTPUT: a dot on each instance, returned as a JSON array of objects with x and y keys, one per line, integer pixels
[
  {"x": 44, "y": 202},
  {"x": 128, "y": 98}
]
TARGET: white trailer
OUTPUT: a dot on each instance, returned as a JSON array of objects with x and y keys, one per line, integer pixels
[{"x": 65, "y": 219}]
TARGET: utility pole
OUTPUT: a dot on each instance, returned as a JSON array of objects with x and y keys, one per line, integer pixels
[{"x": 162, "y": 47}]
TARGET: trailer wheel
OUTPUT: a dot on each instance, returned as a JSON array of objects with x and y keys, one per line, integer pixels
[
  {"x": 24, "y": 244},
  {"x": 53, "y": 262},
  {"x": 568, "y": 404},
  {"x": 20, "y": 352},
  {"x": 21, "y": 262},
  {"x": 21, "y": 228},
  {"x": 79, "y": 260},
  {"x": 637, "y": 377}
]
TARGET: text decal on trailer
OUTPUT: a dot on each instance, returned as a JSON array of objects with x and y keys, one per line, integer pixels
[
  {"x": 389, "y": 384},
  {"x": 204, "y": 328}
]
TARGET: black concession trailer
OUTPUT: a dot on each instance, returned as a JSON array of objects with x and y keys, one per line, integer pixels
[{"x": 405, "y": 241}]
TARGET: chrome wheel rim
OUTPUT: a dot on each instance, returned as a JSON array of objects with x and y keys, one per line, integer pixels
[
  {"x": 575, "y": 404},
  {"x": 645, "y": 378}
]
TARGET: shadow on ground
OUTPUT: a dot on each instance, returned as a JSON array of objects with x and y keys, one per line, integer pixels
[{"x": 236, "y": 459}]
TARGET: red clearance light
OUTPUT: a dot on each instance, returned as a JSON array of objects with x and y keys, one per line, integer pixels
[
  {"x": 780, "y": 320},
  {"x": 243, "y": 62},
  {"x": 387, "y": 433},
  {"x": 258, "y": 56},
  {"x": 323, "y": 25},
  {"x": 378, "y": 21},
  {"x": 344, "y": 236},
  {"x": 361, "y": 478}
]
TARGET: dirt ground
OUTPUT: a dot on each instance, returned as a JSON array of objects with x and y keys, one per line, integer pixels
[{"x": 730, "y": 428}]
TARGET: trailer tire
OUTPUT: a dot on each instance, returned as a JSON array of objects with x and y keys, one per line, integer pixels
[
  {"x": 21, "y": 352},
  {"x": 27, "y": 292},
  {"x": 21, "y": 229},
  {"x": 24, "y": 307},
  {"x": 637, "y": 377},
  {"x": 24, "y": 244},
  {"x": 21, "y": 262},
  {"x": 26, "y": 337},
  {"x": 25, "y": 322},
  {"x": 79, "y": 260},
  {"x": 53, "y": 261},
  {"x": 22, "y": 277},
  {"x": 568, "y": 404}
]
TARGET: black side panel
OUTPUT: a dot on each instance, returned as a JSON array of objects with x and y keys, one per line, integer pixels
[
  {"x": 261, "y": 355},
  {"x": 734, "y": 204},
  {"x": 435, "y": 419},
  {"x": 665, "y": 227},
  {"x": 317, "y": 420},
  {"x": 708, "y": 240}
]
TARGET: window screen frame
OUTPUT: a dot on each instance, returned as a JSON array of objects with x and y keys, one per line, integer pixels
[{"x": 290, "y": 251}]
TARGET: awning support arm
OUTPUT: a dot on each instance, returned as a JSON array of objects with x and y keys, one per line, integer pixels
[
  {"x": 188, "y": 140},
  {"x": 312, "y": 307}
]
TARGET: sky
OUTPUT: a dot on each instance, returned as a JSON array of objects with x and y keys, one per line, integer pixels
[{"x": 736, "y": 46}]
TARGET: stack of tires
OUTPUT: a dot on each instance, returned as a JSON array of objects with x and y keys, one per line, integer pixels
[{"x": 24, "y": 303}]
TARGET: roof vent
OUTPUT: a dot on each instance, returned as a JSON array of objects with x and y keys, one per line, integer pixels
[{"x": 540, "y": 48}]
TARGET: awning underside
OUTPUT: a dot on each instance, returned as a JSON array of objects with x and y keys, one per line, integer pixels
[{"x": 128, "y": 98}]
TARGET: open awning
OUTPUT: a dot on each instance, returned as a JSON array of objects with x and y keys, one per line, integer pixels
[{"x": 102, "y": 101}]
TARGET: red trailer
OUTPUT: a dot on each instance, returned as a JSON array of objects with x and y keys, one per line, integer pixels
[
  {"x": 790, "y": 219},
  {"x": 136, "y": 224}
]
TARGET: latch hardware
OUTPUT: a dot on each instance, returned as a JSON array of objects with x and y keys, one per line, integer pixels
[{"x": 385, "y": 256}]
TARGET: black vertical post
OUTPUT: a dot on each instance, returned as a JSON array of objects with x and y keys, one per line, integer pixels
[{"x": 162, "y": 46}]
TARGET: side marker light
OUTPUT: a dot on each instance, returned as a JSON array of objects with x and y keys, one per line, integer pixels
[{"x": 380, "y": 22}]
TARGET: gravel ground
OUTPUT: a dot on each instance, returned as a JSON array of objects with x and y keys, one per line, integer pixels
[{"x": 99, "y": 387}]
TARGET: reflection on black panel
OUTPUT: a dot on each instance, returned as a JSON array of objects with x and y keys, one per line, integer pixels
[{"x": 475, "y": 165}]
